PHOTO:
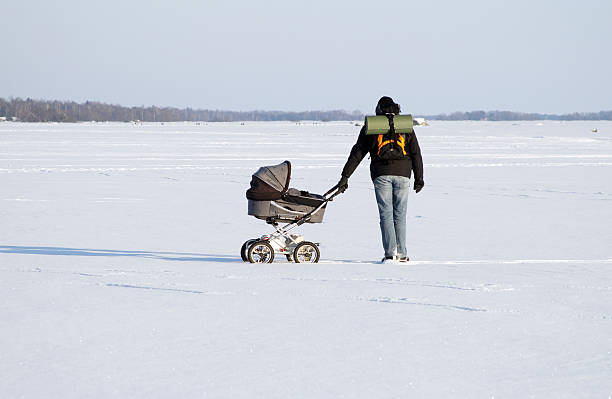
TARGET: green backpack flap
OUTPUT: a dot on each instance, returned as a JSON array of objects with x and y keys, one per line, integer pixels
[
  {"x": 379, "y": 124},
  {"x": 390, "y": 143}
]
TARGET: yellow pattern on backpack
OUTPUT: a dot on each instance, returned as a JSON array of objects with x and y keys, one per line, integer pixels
[{"x": 401, "y": 141}]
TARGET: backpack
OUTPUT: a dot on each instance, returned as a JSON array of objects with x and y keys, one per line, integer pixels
[
  {"x": 391, "y": 130},
  {"x": 391, "y": 146}
]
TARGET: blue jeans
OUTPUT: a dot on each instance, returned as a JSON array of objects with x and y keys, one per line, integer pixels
[{"x": 392, "y": 198}]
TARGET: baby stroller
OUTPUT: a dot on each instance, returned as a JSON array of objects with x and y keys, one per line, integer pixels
[{"x": 271, "y": 199}]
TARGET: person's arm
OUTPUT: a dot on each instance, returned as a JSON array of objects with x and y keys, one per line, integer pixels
[
  {"x": 417, "y": 162},
  {"x": 358, "y": 152}
]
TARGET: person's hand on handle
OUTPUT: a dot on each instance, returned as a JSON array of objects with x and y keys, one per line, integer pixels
[{"x": 343, "y": 184}]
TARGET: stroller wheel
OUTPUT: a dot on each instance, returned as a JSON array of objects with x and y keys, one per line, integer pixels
[
  {"x": 306, "y": 252},
  {"x": 245, "y": 248},
  {"x": 260, "y": 252}
]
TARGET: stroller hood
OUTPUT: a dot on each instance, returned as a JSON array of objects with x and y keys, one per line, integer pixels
[{"x": 270, "y": 182}]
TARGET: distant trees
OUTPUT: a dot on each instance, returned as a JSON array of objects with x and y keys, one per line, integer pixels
[
  {"x": 30, "y": 110},
  {"x": 520, "y": 116}
]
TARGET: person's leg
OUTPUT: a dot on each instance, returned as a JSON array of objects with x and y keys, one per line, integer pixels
[
  {"x": 383, "y": 187},
  {"x": 401, "y": 187}
]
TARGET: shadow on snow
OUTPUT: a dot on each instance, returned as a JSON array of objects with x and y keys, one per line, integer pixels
[{"x": 174, "y": 256}]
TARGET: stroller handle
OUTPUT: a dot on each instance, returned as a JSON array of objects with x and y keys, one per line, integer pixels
[{"x": 331, "y": 190}]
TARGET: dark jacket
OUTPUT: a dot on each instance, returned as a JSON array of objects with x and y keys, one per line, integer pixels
[{"x": 380, "y": 167}]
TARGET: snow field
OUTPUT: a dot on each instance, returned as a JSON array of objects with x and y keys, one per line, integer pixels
[{"x": 121, "y": 275}]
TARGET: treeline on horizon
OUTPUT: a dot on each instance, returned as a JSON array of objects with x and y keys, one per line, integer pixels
[
  {"x": 30, "y": 110},
  {"x": 521, "y": 116}
]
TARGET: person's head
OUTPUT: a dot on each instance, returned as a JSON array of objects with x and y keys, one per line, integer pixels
[{"x": 386, "y": 105}]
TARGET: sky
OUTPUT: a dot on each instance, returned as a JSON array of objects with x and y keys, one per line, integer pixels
[{"x": 435, "y": 56}]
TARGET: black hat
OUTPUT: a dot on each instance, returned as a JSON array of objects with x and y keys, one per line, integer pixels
[{"x": 386, "y": 105}]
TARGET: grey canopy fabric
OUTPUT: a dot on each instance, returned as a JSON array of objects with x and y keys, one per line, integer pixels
[
  {"x": 270, "y": 182},
  {"x": 276, "y": 176}
]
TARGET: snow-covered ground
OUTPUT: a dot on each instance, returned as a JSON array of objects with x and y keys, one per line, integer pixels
[{"x": 120, "y": 273}]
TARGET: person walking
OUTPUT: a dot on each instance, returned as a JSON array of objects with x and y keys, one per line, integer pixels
[{"x": 391, "y": 179}]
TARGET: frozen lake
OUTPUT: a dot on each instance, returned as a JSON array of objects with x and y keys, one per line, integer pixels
[{"x": 121, "y": 275}]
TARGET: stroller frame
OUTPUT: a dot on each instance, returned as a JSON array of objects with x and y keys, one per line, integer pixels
[{"x": 293, "y": 246}]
